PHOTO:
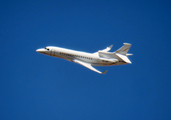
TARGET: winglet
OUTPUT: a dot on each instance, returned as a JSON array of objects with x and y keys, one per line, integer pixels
[
  {"x": 104, "y": 72},
  {"x": 107, "y": 49},
  {"x": 110, "y": 46}
]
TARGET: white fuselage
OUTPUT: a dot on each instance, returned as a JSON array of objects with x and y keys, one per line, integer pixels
[{"x": 70, "y": 55}]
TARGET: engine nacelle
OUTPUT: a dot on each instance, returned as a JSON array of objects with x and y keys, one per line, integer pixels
[{"x": 109, "y": 60}]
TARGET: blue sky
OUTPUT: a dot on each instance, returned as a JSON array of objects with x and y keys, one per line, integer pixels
[{"x": 34, "y": 86}]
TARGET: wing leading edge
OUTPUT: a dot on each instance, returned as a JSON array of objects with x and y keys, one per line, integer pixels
[{"x": 88, "y": 65}]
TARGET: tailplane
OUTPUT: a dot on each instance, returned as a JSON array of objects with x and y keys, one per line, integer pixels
[
  {"x": 124, "y": 58},
  {"x": 121, "y": 54}
]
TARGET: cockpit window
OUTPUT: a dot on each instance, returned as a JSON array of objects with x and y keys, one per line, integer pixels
[{"x": 46, "y": 48}]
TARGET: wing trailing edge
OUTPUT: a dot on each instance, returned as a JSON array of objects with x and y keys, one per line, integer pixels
[{"x": 88, "y": 65}]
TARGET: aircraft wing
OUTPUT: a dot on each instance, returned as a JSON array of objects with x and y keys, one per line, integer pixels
[
  {"x": 105, "y": 50},
  {"x": 88, "y": 65}
]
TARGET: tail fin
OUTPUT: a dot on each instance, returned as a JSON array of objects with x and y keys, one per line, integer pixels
[
  {"x": 122, "y": 52},
  {"x": 124, "y": 49}
]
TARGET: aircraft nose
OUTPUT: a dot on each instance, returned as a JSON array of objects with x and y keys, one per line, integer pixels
[{"x": 40, "y": 50}]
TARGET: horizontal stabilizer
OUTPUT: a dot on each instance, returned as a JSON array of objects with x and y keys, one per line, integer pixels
[
  {"x": 129, "y": 54},
  {"x": 124, "y": 58}
]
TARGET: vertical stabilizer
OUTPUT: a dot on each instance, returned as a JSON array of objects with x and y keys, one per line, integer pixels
[
  {"x": 124, "y": 49},
  {"x": 122, "y": 52}
]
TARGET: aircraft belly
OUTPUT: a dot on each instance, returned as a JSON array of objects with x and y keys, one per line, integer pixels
[
  {"x": 100, "y": 64},
  {"x": 108, "y": 64}
]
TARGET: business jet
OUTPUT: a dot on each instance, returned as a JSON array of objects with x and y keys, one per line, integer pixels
[{"x": 88, "y": 60}]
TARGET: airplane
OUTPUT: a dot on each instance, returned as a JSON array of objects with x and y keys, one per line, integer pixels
[{"x": 88, "y": 60}]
